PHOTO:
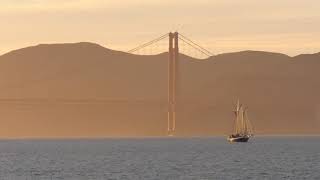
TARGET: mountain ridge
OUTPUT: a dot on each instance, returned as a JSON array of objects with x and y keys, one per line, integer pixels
[
  {"x": 91, "y": 45},
  {"x": 279, "y": 90}
]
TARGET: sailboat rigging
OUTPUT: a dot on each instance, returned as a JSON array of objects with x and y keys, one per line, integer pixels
[{"x": 242, "y": 126}]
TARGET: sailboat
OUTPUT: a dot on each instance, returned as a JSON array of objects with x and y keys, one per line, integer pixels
[{"x": 242, "y": 126}]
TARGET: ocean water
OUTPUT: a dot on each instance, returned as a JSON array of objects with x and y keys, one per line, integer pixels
[{"x": 161, "y": 158}]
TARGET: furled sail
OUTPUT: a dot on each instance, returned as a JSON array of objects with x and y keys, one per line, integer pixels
[{"x": 242, "y": 124}]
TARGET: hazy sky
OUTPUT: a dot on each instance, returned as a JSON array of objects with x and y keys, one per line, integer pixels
[{"x": 288, "y": 26}]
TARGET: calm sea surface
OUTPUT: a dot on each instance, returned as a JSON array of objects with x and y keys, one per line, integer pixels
[{"x": 161, "y": 158}]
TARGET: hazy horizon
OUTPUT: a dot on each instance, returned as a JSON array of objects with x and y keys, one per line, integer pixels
[
  {"x": 156, "y": 53},
  {"x": 289, "y": 27}
]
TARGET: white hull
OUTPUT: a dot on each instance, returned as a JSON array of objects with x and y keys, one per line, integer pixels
[{"x": 238, "y": 139}]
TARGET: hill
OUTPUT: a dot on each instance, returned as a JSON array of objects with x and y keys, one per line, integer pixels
[{"x": 84, "y": 90}]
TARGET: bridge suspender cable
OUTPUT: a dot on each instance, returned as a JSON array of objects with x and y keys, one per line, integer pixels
[
  {"x": 200, "y": 50},
  {"x": 148, "y": 43},
  {"x": 197, "y": 45}
]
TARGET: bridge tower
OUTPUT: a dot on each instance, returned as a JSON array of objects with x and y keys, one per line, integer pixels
[
  {"x": 173, "y": 71},
  {"x": 173, "y": 66}
]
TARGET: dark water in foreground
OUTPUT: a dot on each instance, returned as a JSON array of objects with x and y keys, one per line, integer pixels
[{"x": 161, "y": 158}]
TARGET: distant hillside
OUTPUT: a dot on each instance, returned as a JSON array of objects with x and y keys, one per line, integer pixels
[{"x": 84, "y": 89}]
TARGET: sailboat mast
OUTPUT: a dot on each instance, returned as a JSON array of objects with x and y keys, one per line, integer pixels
[
  {"x": 249, "y": 126},
  {"x": 242, "y": 121},
  {"x": 237, "y": 124},
  {"x": 245, "y": 121},
  {"x": 235, "y": 129}
]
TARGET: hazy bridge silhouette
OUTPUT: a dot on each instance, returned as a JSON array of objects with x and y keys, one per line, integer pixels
[
  {"x": 174, "y": 43},
  {"x": 156, "y": 46},
  {"x": 173, "y": 68}
]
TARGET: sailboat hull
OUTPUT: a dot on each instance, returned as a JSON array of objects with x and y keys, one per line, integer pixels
[{"x": 238, "y": 139}]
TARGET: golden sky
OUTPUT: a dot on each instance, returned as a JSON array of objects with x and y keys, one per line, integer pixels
[{"x": 287, "y": 26}]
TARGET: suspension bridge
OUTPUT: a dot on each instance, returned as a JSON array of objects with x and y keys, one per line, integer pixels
[
  {"x": 175, "y": 44},
  {"x": 173, "y": 66}
]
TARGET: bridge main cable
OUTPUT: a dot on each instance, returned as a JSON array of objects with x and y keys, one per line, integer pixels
[
  {"x": 148, "y": 43},
  {"x": 200, "y": 50},
  {"x": 203, "y": 50}
]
